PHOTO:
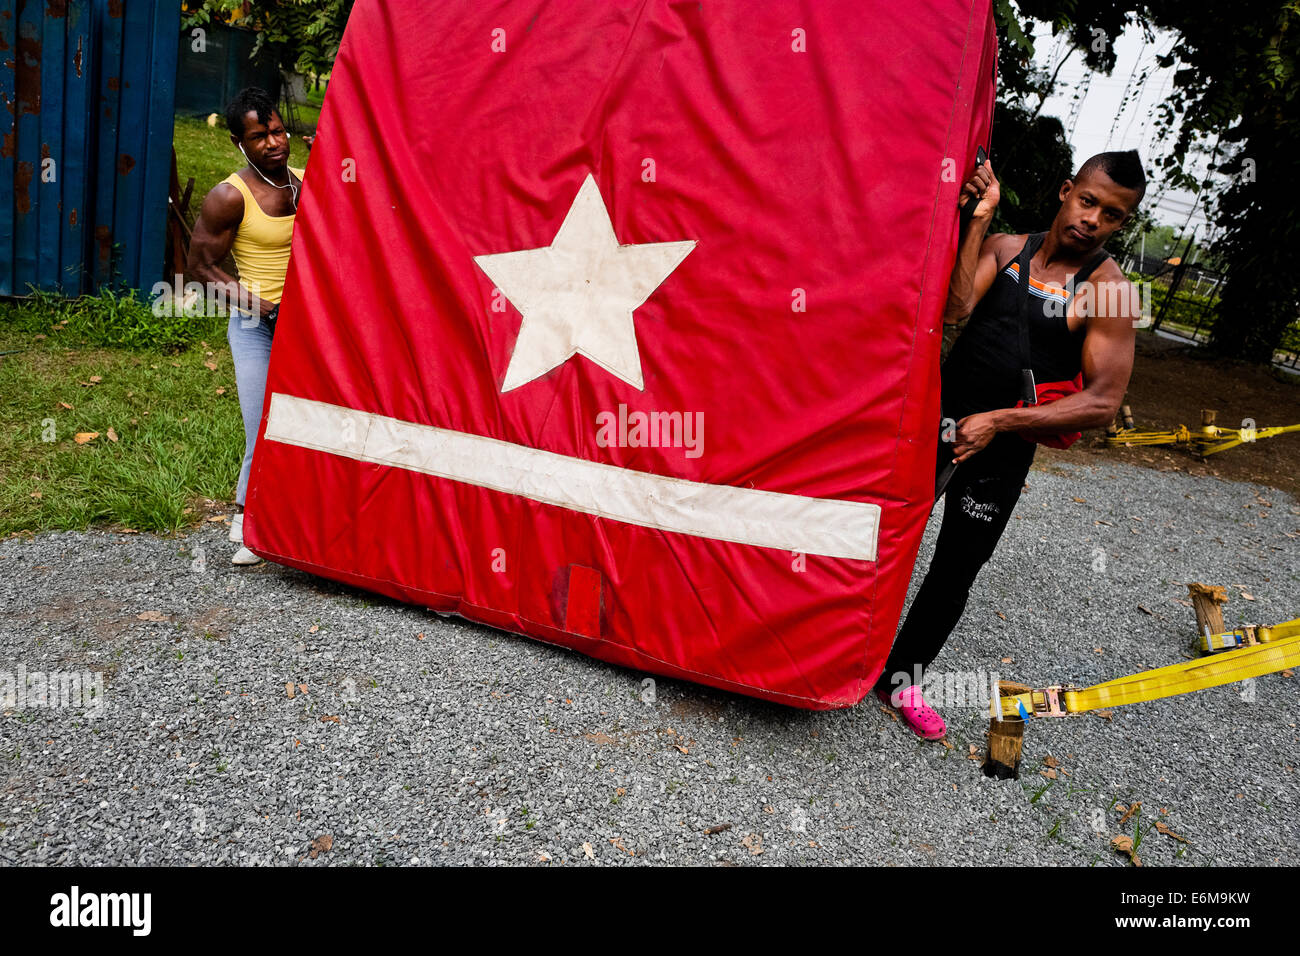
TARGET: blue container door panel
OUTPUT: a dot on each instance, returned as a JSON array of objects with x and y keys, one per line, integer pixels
[
  {"x": 8, "y": 139},
  {"x": 47, "y": 182},
  {"x": 133, "y": 126},
  {"x": 27, "y": 153},
  {"x": 77, "y": 124},
  {"x": 157, "y": 151},
  {"x": 108, "y": 86}
]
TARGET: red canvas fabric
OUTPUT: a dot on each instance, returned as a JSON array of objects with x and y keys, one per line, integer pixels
[{"x": 813, "y": 153}]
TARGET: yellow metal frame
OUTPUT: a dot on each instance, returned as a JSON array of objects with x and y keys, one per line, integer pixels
[{"x": 1209, "y": 439}]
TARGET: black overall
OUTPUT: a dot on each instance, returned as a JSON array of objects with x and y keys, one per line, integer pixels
[{"x": 983, "y": 373}]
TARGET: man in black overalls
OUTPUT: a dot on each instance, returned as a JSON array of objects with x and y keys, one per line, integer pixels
[{"x": 1072, "y": 327}]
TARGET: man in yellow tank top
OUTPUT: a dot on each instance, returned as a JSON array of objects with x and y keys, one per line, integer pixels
[{"x": 250, "y": 216}]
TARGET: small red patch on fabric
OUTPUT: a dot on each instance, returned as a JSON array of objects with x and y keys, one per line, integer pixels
[{"x": 582, "y": 609}]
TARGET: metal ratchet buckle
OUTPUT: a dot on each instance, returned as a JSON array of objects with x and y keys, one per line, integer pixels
[{"x": 1049, "y": 702}]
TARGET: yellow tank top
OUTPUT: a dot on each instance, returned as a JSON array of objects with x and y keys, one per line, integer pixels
[{"x": 261, "y": 246}]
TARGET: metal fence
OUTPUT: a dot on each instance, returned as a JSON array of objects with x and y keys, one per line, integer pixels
[{"x": 87, "y": 134}]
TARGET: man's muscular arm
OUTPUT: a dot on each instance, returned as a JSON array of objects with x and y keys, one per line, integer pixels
[
  {"x": 214, "y": 233},
  {"x": 1107, "y": 365},
  {"x": 977, "y": 263}
]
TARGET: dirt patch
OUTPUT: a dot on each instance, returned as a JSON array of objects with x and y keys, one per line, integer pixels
[
  {"x": 1171, "y": 383},
  {"x": 698, "y": 709}
]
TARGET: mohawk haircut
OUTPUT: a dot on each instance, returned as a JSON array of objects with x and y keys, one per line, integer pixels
[
  {"x": 1124, "y": 168},
  {"x": 252, "y": 99}
]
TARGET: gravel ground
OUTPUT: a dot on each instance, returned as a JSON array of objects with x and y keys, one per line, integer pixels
[{"x": 470, "y": 745}]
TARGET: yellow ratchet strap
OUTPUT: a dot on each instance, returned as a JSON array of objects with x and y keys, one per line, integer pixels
[
  {"x": 1248, "y": 635},
  {"x": 1277, "y": 654}
]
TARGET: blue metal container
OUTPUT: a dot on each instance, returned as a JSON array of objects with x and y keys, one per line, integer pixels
[{"x": 86, "y": 119}]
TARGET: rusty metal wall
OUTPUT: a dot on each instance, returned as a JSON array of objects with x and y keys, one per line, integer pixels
[{"x": 87, "y": 89}]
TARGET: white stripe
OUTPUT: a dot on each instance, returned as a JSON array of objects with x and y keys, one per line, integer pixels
[{"x": 765, "y": 519}]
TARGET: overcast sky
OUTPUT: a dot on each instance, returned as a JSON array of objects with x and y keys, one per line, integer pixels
[{"x": 1105, "y": 122}]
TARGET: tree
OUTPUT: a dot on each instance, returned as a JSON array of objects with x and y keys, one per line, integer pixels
[{"x": 305, "y": 34}]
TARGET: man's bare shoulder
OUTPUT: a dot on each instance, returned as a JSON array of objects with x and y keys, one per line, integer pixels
[
  {"x": 1109, "y": 271},
  {"x": 1004, "y": 245},
  {"x": 223, "y": 205}
]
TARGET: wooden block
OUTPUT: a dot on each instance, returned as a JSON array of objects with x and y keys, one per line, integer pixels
[
  {"x": 1006, "y": 738},
  {"x": 1206, "y": 599}
]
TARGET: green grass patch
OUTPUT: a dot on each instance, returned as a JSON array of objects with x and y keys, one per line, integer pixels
[
  {"x": 106, "y": 319},
  {"x": 179, "y": 434}
]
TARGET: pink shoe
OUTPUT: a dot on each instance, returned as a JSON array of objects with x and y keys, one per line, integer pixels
[{"x": 920, "y": 716}]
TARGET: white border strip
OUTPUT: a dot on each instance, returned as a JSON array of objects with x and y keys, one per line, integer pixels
[{"x": 764, "y": 519}]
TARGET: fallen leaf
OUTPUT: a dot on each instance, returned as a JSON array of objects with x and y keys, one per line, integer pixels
[
  {"x": 1098, "y": 650},
  {"x": 322, "y": 844},
  {"x": 1107, "y": 714},
  {"x": 1247, "y": 596},
  {"x": 1049, "y": 774},
  {"x": 210, "y": 365},
  {"x": 1007, "y": 660},
  {"x": 1001, "y": 615},
  {"x": 96, "y": 379},
  {"x": 945, "y": 742},
  {"x": 681, "y": 748},
  {"x": 332, "y": 720},
  {"x": 419, "y": 637},
  {"x": 302, "y": 688},
  {"x": 65, "y": 405},
  {"x": 112, "y": 435},
  {"x": 1129, "y": 811},
  {"x": 83, "y": 437},
  {"x": 718, "y": 829},
  {"x": 1082, "y": 501},
  {"x": 1051, "y": 761},
  {"x": 1123, "y": 844},
  {"x": 754, "y": 843},
  {"x": 152, "y": 616},
  {"x": 313, "y": 629},
  {"x": 37, "y": 494},
  {"x": 591, "y": 854},
  {"x": 221, "y": 391},
  {"x": 1145, "y": 610},
  {"x": 289, "y": 689},
  {"x": 618, "y": 842},
  {"x": 1163, "y": 827}
]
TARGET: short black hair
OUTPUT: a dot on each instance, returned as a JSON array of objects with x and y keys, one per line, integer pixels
[
  {"x": 1124, "y": 168},
  {"x": 252, "y": 99}
]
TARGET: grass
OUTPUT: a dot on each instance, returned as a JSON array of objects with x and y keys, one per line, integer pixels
[{"x": 178, "y": 440}]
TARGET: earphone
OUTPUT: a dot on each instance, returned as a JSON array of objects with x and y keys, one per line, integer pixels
[{"x": 293, "y": 196}]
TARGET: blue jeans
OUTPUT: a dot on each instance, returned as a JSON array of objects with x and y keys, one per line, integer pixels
[{"x": 250, "y": 348}]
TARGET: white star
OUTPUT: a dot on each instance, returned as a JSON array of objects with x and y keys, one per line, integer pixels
[{"x": 577, "y": 295}]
